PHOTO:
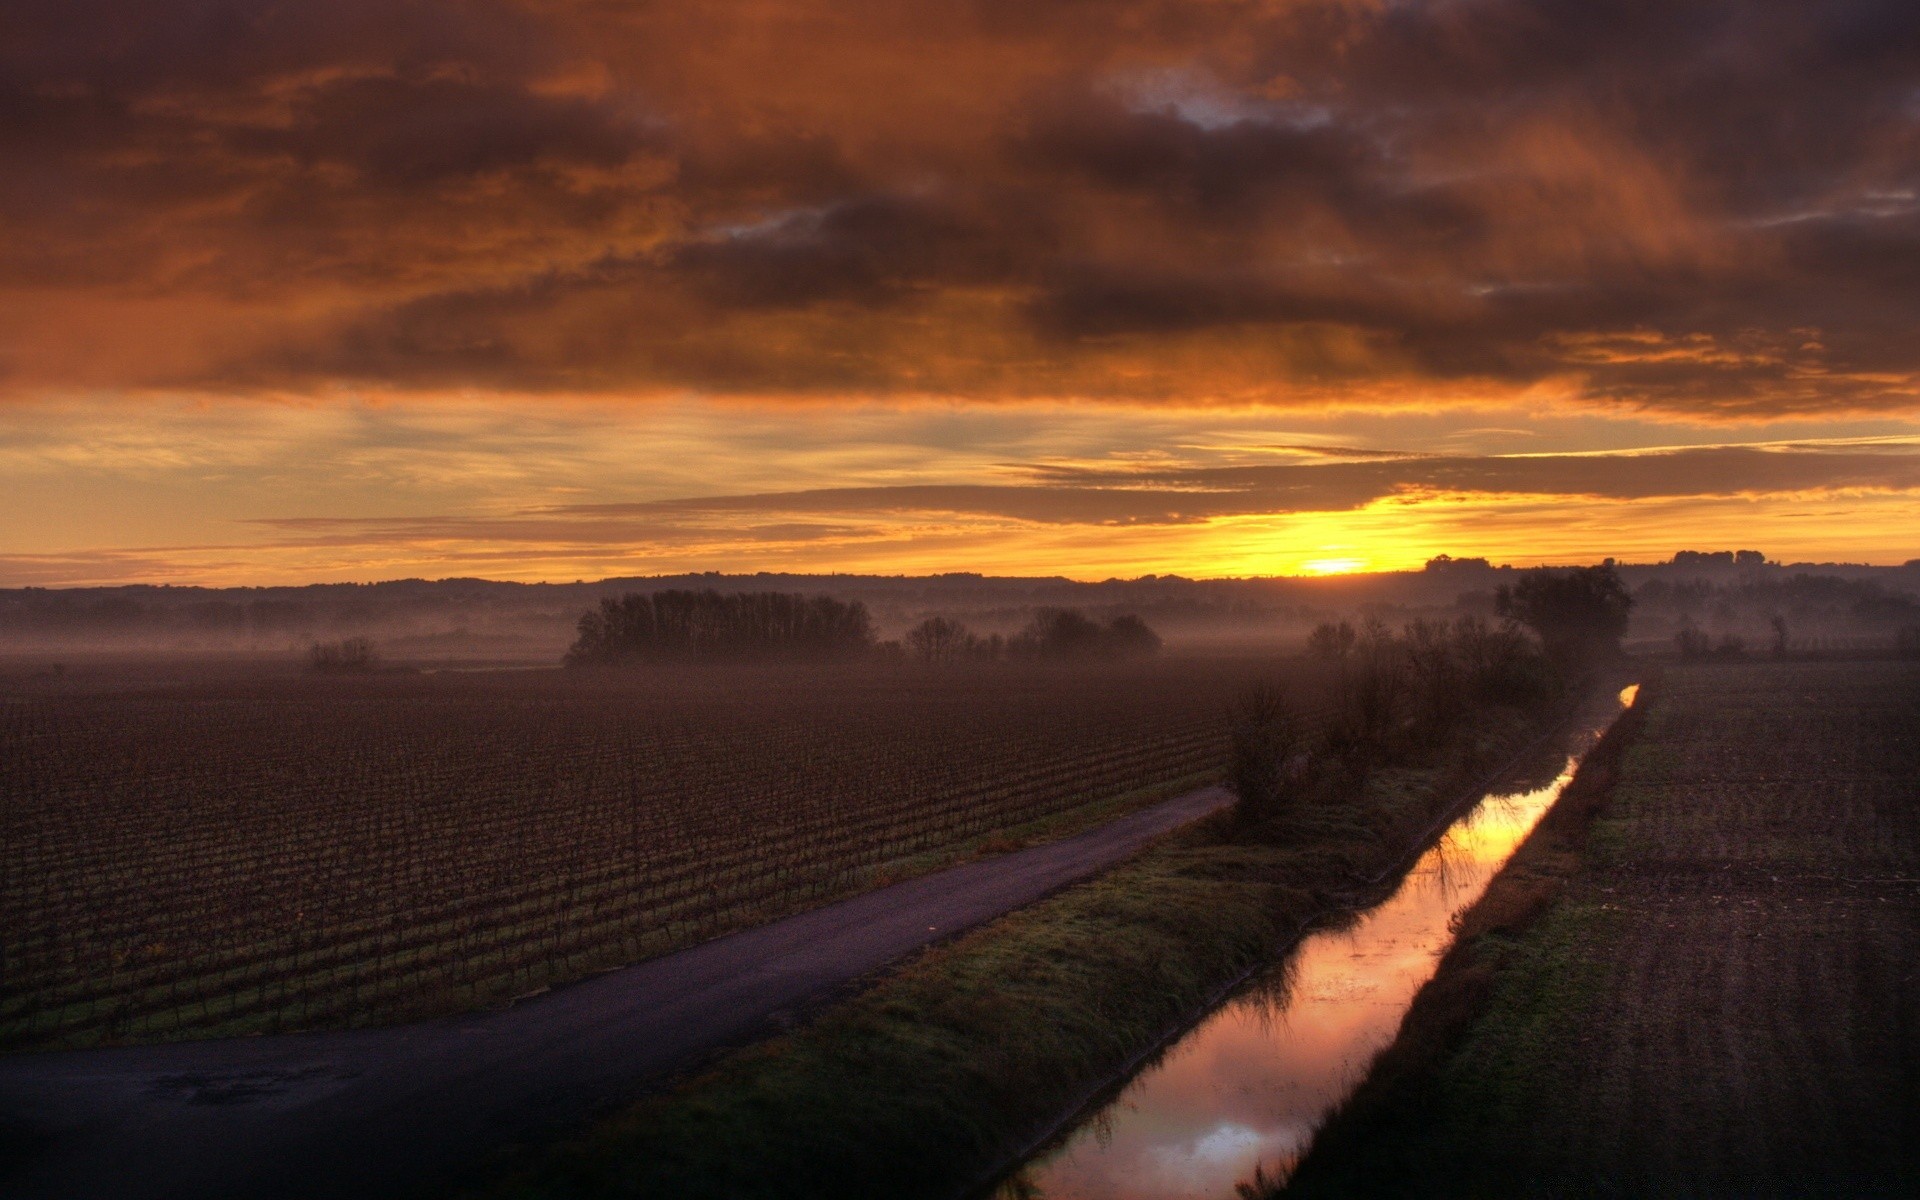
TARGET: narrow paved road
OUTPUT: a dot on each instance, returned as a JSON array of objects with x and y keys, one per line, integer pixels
[{"x": 380, "y": 1112}]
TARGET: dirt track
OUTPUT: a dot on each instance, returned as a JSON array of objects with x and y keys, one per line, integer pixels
[{"x": 380, "y": 1112}]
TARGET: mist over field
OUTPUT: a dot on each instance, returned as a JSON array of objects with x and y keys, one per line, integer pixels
[{"x": 477, "y": 621}]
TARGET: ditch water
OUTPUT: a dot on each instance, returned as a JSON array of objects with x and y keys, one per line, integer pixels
[{"x": 1246, "y": 1087}]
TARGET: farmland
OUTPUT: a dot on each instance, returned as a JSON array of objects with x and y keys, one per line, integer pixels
[
  {"x": 1708, "y": 992},
  {"x": 249, "y": 854}
]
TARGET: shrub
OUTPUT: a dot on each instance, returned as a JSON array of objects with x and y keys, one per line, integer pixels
[
  {"x": 349, "y": 654},
  {"x": 1692, "y": 642},
  {"x": 1129, "y": 637}
]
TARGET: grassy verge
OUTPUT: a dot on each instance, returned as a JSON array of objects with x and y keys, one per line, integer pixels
[
  {"x": 1695, "y": 977},
  {"x": 943, "y": 1068}
]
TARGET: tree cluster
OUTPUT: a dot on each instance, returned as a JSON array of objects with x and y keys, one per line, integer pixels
[
  {"x": 1580, "y": 614},
  {"x": 1068, "y": 633},
  {"x": 680, "y": 625},
  {"x": 1719, "y": 558},
  {"x": 1389, "y": 698},
  {"x": 941, "y": 640}
]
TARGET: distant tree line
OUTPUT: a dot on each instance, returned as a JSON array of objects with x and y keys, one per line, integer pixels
[
  {"x": 677, "y": 624},
  {"x": 1804, "y": 599},
  {"x": 1060, "y": 634},
  {"x": 1719, "y": 558},
  {"x": 39, "y": 610}
]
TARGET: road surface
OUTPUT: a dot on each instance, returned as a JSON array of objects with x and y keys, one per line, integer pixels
[{"x": 382, "y": 1112}]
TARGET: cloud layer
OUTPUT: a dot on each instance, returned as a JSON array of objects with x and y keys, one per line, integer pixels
[
  {"x": 1703, "y": 210},
  {"x": 432, "y": 493}
]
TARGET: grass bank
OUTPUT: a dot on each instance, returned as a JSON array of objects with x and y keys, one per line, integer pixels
[
  {"x": 945, "y": 1067},
  {"x": 1693, "y": 980}
]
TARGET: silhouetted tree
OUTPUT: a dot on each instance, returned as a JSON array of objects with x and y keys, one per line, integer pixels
[
  {"x": 939, "y": 640},
  {"x": 1070, "y": 633},
  {"x": 1501, "y": 665},
  {"x": 1580, "y": 615},
  {"x": 1129, "y": 637},
  {"x": 1439, "y": 684},
  {"x": 351, "y": 654},
  {"x": 1062, "y": 633},
  {"x": 1372, "y": 692},
  {"x": 740, "y": 625},
  {"x": 1267, "y": 736},
  {"x": 1330, "y": 642}
]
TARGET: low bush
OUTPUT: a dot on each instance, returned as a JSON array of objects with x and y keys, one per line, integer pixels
[{"x": 349, "y": 654}]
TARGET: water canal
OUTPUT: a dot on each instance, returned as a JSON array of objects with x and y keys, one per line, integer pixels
[{"x": 1246, "y": 1087}]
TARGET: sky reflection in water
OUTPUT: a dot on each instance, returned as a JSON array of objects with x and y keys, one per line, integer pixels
[{"x": 1246, "y": 1087}]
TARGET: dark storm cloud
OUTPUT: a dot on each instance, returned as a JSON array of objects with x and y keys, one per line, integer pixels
[
  {"x": 1708, "y": 208},
  {"x": 870, "y": 250},
  {"x": 418, "y": 132},
  {"x": 1243, "y": 167}
]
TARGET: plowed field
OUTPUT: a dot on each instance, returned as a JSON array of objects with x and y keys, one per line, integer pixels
[{"x": 280, "y": 853}]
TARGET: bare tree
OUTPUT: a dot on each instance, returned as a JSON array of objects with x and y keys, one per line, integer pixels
[
  {"x": 939, "y": 640},
  {"x": 1330, "y": 642},
  {"x": 1267, "y": 738}
]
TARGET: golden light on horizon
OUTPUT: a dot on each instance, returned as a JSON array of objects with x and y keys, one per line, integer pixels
[
  {"x": 611, "y": 290},
  {"x": 1332, "y": 566}
]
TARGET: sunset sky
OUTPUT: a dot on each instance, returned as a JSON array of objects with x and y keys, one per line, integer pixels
[{"x": 364, "y": 289}]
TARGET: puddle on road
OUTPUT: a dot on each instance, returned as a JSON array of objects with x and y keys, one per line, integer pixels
[{"x": 1247, "y": 1085}]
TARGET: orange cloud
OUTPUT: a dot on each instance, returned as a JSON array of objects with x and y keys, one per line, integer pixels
[
  {"x": 1311, "y": 508},
  {"x": 1290, "y": 204}
]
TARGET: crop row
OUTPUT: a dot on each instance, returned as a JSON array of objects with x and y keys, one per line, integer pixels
[{"x": 278, "y": 854}]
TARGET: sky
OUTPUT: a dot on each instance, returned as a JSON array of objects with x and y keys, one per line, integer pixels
[{"x": 311, "y": 290}]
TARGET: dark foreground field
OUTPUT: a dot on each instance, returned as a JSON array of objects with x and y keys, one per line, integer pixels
[
  {"x": 1722, "y": 1000},
  {"x": 370, "y": 1113},
  {"x": 259, "y": 853}
]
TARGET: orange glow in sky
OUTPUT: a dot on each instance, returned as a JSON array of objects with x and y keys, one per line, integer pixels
[{"x": 554, "y": 291}]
